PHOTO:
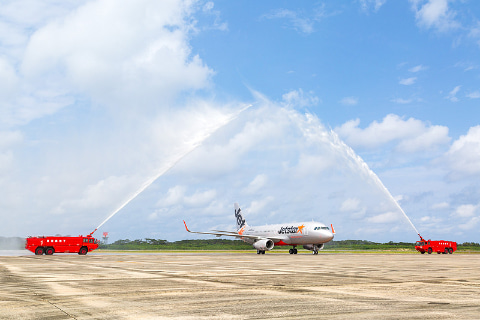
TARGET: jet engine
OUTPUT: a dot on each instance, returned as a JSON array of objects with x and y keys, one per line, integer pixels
[
  {"x": 313, "y": 246},
  {"x": 264, "y": 245}
]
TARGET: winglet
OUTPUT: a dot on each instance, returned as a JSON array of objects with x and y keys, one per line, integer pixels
[
  {"x": 186, "y": 226},
  {"x": 333, "y": 230}
]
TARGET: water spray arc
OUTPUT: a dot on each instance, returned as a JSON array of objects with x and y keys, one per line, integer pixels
[
  {"x": 360, "y": 163},
  {"x": 314, "y": 131},
  {"x": 194, "y": 144}
]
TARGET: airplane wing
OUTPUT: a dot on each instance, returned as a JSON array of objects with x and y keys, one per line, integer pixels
[{"x": 220, "y": 233}]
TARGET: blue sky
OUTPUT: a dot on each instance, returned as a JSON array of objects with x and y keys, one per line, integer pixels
[{"x": 98, "y": 98}]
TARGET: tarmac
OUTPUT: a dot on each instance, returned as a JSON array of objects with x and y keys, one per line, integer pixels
[{"x": 240, "y": 286}]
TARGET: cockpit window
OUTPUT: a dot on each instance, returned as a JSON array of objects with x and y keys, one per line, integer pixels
[{"x": 321, "y": 228}]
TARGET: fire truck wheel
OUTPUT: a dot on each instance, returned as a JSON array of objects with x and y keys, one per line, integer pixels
[
  {"x": 49, "y": 251},
  {"x": 39, "y": 251},
  {"x": 450, "y": 250},
  {"x": 83, "y": 251},
  {"x": 429, "y": 250}
]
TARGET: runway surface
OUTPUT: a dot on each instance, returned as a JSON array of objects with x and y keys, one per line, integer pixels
[{"x": 240, "y": 286}]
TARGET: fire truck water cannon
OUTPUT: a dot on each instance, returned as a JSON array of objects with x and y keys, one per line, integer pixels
[
  {"x": 438, "y": 246},
  {"x": 50, "y": 245}
]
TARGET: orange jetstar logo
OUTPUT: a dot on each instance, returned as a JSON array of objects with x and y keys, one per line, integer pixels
[
  {"x": 300, "y": 228},
  {"x": 241, "y": 231}
]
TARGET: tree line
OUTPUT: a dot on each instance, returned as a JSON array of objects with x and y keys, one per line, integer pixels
[
  {"x": 17, "y": 243},
  {"x": 226, "y": 244}
]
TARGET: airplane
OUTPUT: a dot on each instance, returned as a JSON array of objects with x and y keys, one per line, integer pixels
[{"x": 312, "y": 235}]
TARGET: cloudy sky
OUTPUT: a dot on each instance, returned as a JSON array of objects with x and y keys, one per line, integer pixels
[{"x": 321, "y": 110}]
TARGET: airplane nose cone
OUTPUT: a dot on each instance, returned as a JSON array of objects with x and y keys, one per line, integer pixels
[
  {"x": 330, "y": 236},
  {"x": 326, "y": 236}
]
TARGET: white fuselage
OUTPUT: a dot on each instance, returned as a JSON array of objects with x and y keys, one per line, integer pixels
[{"x": 296, "y": 233}]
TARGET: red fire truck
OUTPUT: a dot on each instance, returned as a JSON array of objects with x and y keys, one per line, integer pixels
[
  {"x": 50, "y": 245},
  {"x": 438, "y": 246}
]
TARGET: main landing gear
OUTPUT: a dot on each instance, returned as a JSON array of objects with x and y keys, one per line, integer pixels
[
  {"x": 260, "y": 251},
  {"x": 293, "y": 251}
]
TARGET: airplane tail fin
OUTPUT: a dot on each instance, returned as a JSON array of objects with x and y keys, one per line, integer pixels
[{"x": 238, "y": 215}]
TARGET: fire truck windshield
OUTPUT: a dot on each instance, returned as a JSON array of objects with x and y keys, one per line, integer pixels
[{"x": 419, "y": 243}]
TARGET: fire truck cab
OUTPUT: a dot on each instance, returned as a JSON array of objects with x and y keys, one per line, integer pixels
[
  {"x": 438, "y": 246},
  {"x": 49, "y": 245}
]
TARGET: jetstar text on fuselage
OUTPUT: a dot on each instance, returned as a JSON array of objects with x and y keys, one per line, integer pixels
[{"x": 290, "y": 230}]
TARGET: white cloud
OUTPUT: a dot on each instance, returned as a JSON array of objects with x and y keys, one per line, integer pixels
[
  {"x": 9, "y": 138},
  {"x": 412, "y": 135},
  {"x": 474, "y": 33},
  {"x": 377, "y": 4},
  {"x": 466, "y": 211},
  {"x": 225, "y": 157},
  {"x": 174, "y": 196},
  {"x": 471, "y": 224},
  {"x": 99, "y": 195},
  {"x": 136, "y": 54},
  {"x": 408, "y": 81},
  {"x": 257, "y": 183},
  {"x": 433, "y": 136},
  {"x": 349, "y": 101},
  {"x": 402, "y": 101},
  {"x": 8, "y": 79},
  {"x": 123, "y": 47},
  {"x": 452, "y": 95},
  {"x": 217, "y": 23},
  {"x": 466, "y": 65},
  {"x": 464, "y": 154},
  {"x": 417, "y": 68},
  {"x": 260, "y": 206},
  {"x": 350, "y": 204},
  {"x": 122, "y": 72},
  {"x": 309, "y": 165},
  {"x": 441, "y": 205},
  {"x": 387, "y": 217},
  {"x": 434, "y": 14},
  {"x": 473, "y": 95},
  {"x": 300, "y": 100},
  {"x": 200, "y": 198},
  {"x": 298, "y": 21}
]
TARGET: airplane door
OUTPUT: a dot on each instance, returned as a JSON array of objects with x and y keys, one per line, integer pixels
[{"x": 305, "y": 231}]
